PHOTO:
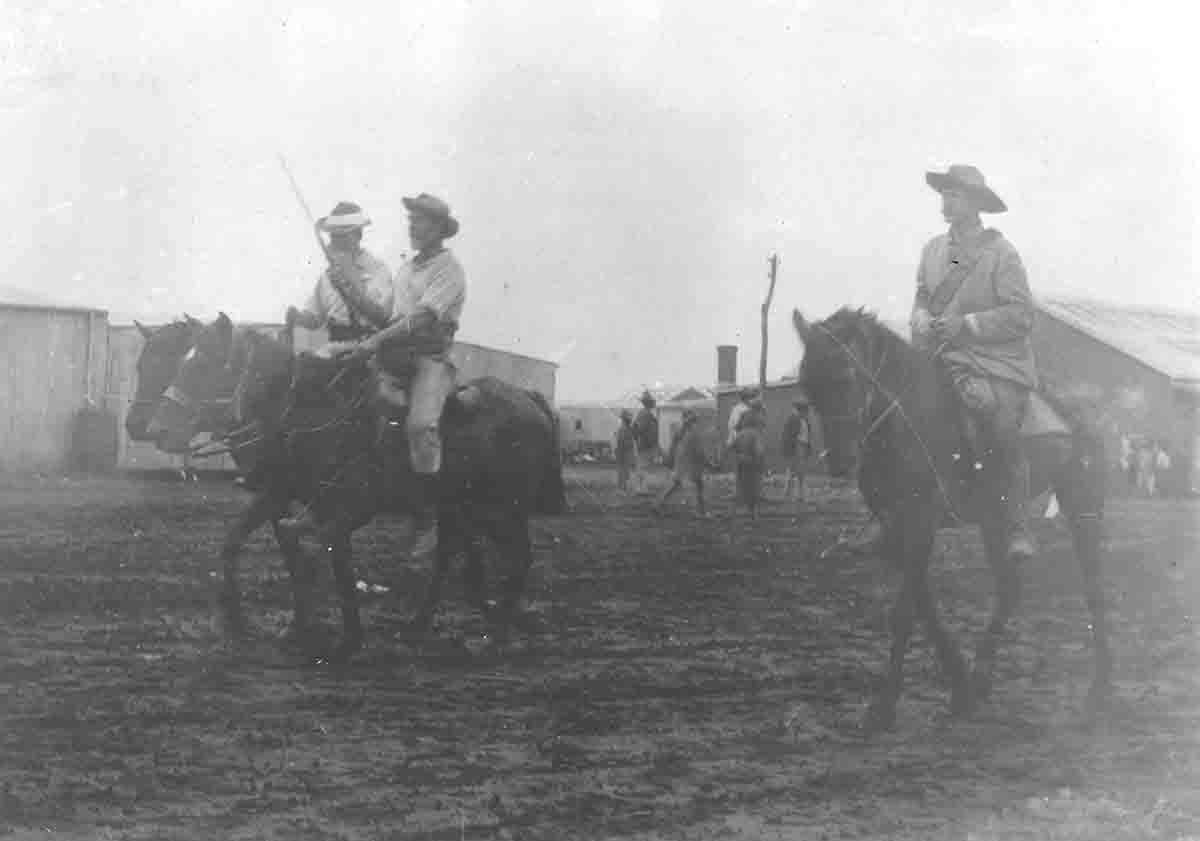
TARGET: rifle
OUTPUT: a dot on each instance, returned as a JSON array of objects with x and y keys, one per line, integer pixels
[{"x": 289, "y": 331}]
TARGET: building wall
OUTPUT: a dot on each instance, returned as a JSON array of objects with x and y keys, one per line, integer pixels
[
  {"x": 778, "y": 398},
  {"x": 52, "y": 368},
  {"x": 514, "y": 368},
  {"x": 590, "y": 423},
  {"x": 1134, "y": 398}
]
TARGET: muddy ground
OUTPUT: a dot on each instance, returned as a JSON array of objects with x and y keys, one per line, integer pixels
[{"x": 701, "y": 679}]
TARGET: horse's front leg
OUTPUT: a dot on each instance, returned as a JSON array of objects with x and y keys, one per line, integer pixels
[
  {"x": 1008, "y": 591},
  {"x": 302, "y": 576},
  {"x": 881, "y": 715},
  {"x": 263, "y": 508},
  {"x": 343, "y": 573}
]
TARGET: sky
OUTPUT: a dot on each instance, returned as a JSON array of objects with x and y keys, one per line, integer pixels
[{"x": 622, "y": 170}]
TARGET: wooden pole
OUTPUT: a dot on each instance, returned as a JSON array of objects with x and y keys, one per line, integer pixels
[{"x": 773, "y": 264}]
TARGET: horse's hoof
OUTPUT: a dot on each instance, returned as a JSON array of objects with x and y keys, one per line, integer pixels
[
  {"x": 879, "y": 718},
  {"x": 981, "y": 684},
  {"x": 233, "y": 628},
  {"x": 529, "y": 622},
  {"x": 346, "y": 650},
  {"x": 1095, "y": 704},
  {"x": 962, "y": 703},
  {"x": 414, "y": 630}
]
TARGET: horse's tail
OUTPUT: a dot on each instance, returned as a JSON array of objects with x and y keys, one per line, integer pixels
[{"x": 552, "y": 495}]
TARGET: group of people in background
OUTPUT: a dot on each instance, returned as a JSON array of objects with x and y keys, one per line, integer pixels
[
  {"x": 689, "y": 458},
  {"x": 1147, "y": 464}
]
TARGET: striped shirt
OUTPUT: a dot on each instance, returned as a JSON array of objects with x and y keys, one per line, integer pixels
[
  {"x": 438, "y": 285},
  {"x": 370, "y": 274}
]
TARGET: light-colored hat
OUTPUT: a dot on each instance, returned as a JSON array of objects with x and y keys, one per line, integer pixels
[
  {"x": 346, "y": 217},
  {"x": 970, "y": 181},
  {"x": 435, "y": 207}
]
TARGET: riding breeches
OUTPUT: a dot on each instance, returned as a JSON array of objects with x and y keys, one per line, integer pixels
[
  {"x": 997, "y": 407},
  {"x": 432, "y": 383}
]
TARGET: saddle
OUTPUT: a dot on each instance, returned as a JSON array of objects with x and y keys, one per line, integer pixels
[{"x": 1047, "y": 414}]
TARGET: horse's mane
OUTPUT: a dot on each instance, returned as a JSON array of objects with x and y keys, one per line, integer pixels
[{"x": 897, "y": 356}]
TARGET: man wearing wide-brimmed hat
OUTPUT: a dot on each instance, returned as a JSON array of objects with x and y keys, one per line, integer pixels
[
  {"x": 645, "y": 435},
  {"x": 429, "y": 292},
  {"x": 746, "y": 396},
  {"x": 974, "y": 311},
  {"x": 353, "y": 296}
]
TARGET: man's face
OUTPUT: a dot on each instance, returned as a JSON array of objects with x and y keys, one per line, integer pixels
[
  {"x": 956, "y": 206},
  {"x": 344, "y": 243},
  {"x": 424, "y": 231}
]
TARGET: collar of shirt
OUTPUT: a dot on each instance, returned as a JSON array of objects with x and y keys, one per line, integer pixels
[{"x": 964, "y": 236}]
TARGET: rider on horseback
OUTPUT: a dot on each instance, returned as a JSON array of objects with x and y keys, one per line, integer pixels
[
  {"x": 973, "y": 310},
  {"x": 411, "y": 361},
  {"x": 353, "y": 296}
]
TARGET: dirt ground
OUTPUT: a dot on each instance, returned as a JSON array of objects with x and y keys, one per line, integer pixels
[{"x": 702, "y": 679}]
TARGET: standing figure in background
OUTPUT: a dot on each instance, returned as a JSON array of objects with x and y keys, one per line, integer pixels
[
  {"x": 749, "y": 456},
  {"x": 625, "y": 451},
  {"x": 745, "y": 398},
  {"x": 1162, "y": 470},
  {"x": 796, "y": 447},
  {"x": 645, "y": 436},
  {"x": 688, "y": 460},
  {"x": 1144, "y": 456}
]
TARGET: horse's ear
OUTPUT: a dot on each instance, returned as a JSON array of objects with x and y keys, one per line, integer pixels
[
  {"x": 192, "y": 320},
  {"x": 224, "y": 328},
  {"x": 143, "y": 329},
  {"x": 802, "y": 326}
]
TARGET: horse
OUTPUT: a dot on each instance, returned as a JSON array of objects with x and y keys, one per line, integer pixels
[
  {"x": 501, "y": 464},
  {"x": 157, "y": 365},
  {"x": 891, "y": 410}
]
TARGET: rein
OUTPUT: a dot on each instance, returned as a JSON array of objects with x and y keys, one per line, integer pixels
[{"x": 894, "y": 404}]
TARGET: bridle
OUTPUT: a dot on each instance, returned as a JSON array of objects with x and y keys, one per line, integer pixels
[
  {"x": 876, "y": 390},
  {"x": 894, "y": 405}
]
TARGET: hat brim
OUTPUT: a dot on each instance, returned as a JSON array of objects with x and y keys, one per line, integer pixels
[
  {"x": 343, "y": 224},
  {"x": 449, "y": 223},
  {"x": 985, "y": 200}
]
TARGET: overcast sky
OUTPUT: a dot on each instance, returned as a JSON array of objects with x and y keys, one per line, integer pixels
[{"x": 621, "y": 173}]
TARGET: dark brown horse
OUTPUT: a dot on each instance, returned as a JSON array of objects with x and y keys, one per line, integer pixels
[
  {"x": 500, "y": 464},
  {"x": 890, "y": 409},
  {"x": 158, "y": 364}
]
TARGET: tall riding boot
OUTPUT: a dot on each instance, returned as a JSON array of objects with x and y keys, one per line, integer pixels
[{"x": 424, "y": 511}]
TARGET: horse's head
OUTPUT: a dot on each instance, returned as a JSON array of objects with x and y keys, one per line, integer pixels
[
  {"x": 262, "y": 388},
  {"x": 836, "y": 374},
  {"x": 202, "y": 374},
  {"x": 157, "y": 363}
]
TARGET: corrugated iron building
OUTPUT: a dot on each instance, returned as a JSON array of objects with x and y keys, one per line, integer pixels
[
  {"x": 53, "y": 364},
  {"x": 1141, "y": 366}
]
